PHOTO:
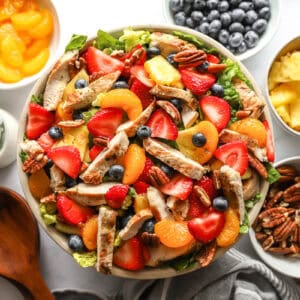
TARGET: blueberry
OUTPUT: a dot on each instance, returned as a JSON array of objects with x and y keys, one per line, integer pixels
[
  {"x": 153, "y": 51},
  {"x": 187, "y": 9},
  {"x": 203, "y": 67},
  {"x": 199, "y": 139},
  {"x": 176, "y": 5},
  {"x": 213, "y": 15},
  {"x": 213, "y": 35},
  {"x": 237, "y": 15},
  {"x": 177, "y": 103},
  {"x": 75, "y": 243},
  {"x": 204, "y": 19},
  {"x": 77, "y": 115},
  {"x": 55, "y": 133},
  {"x": 125, "y": 219},
  {"x": 234, "y": 2},
  {"x": 120, "y": 84},
  {"x": 223, "y": 6},
  {"x": 261, "y": 3},
  {"x": 235, "y": 39},
  {"x": 260, "y": 26},
  {"x": 248, "y": 28},
  {"x": 251, "y": 38},
  {"x": 148, "y": 226},
  {"x": 214, "y": 26},
  {"x": 223, "y": 36},
  {"x": 197, "y": 16},
  {"x": 170, "y": 59},
  {"x": 199, "y": 4},
  {"x": 190, "y": 22},
  {"x": 225, "y": 19},
  {"x": 180, "y": 18},
  {"x": 80, "y": 84},
  {"x": 245, "y": 6},
  {"x": 217, "y": 90},
  {"x": 144, "y": 132},
  {"x": 242, "y": 48},
  {"x": 204, "y": 27},
  {"x": 265, "y": 13},
  {"x": 116, "y": 172},
  {"x": 212, "y": 4},
  {"x": 220, "y": 203},
  {"x": 250, "y": 17},
  {"x": 189, "y": 1},
  {"x": 70, "y": 182},
  {"x": 167, "y": 170},
  {"x": 236, "y": 27}
]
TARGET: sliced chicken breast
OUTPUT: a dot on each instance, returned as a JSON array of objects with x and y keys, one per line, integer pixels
[
  {"x": 188, "y": 116},
  {"x": 58, "y": 179},
  {"x": 178, "y": 207}
]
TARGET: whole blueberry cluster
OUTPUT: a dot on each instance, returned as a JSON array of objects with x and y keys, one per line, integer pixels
[{"x": 236, "y": 24}]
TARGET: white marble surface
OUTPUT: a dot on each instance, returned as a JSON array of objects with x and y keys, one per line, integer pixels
[{"x": 58, "y": 268}]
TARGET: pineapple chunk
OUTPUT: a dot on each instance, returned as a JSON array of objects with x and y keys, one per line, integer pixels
[
  {"x": 295, "y": 114},
  {"x": 162, "y": 72},
  {"x": 285, "y": 93},
  {"x": 284, "y": 112},
  {"x": 140, "y": 202}
]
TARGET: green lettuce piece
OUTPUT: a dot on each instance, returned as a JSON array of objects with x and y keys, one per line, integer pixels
[
  {"x": 87, "y": 115},
  {"x": 127, "y": 202},
  {"x": 244, "y": 228},
  {"x": 77, "y": 42},
  {"x": 183, "y": 262},
  {"x": 132, "y": 192},
  {"x": 131, "y": 38},
  {"x": 117, "y": 241},
  {"x": 37, "y": 99},
  {"x": 85, "y": 260},
  {"x": 107, "y": 41},
  {"x": 273, "y": 174},
  {"x": 23, "y": 156},
  {"x": 48, "y": 214},
  {"x": 251, "y": 203}
]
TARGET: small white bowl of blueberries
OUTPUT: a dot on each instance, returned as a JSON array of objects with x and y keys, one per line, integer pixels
[{"x": 243, "y": 26}]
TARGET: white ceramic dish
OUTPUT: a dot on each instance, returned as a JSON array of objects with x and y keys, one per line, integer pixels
[
  {"x": 55, "y": 41},
  {"x": 264, "y": 39},
  {"x": 285, "y": 265}
]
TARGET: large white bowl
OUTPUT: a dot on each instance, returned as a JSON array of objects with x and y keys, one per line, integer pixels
[
  {"x": 285, "y": 265},
  {"x": 59, "y": 238},
  {"x": 55, "y": 41},
  {"x": 264, "y": 39}
]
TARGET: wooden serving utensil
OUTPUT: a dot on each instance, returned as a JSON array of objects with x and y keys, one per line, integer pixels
[{"x": 19, "y": 247}]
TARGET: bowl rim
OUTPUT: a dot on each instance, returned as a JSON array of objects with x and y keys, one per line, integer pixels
[
  {"x": 264, "y": 39},
  {"x": 59, "y": 238}
]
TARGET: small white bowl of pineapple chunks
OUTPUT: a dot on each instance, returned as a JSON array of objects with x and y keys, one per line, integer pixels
[{"x": 283, "y": 86}]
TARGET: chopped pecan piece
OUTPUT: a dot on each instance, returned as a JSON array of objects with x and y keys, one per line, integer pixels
[
  {"x": 150, "y": 239},
  {"x": 157, "y": 176},
  {"x": 190, "y": 58},
  {"x": 202, "y": 196},
  {"x": 207, "y": 254},
  {"x": 75, "y": 65},
  {"x": 170, "y": 109},
  {"x": 101, "y": 141},
  {"x": 242, "y": 114},
  {"x": 258, "y": 166}
]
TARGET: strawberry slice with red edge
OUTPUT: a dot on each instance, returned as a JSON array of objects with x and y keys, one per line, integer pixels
[
  {"x": 145, "y": 174},
  {"x": 216, "y": 110},
  {"x": 207, "y": 184},
  {"x": 99, "y": 62},
  {"x": 162, "y": 125},
  {"x": 216, "y": 68},
  {"x": 142, "y": 91},
  {"x": 130, "y": 255},
  {"x": 179, "y": 186},
  {"x": 141, "y": 187},
  {"x": 67, "y": 158},
  {"x": 196, "y": 208},
  {"x": 139, "y": 72},
  {"x": 235, "y": 155},
  {"x": 105, "y": 122},
  {"x": 46, "y": 142},
  {"x": 39, "y": 121},
  {"x": 71, "y": 212},
  {"x": 212, "y": 58},
  {"x": 116, "y": 195},
  {"x": 270, "y": 142},
  {"x": 197, "y": 83},
  {"x": 94, "y": 151}
]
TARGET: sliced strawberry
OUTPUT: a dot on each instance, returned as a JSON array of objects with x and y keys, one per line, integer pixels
[
  {"x": 39, "y": 121},
  {"x": 212, "y": 59},
  {"x": 99, "y": 62},
  {"x": 94, "y": 151},
  {"x": 146, "y": 254},
  {"x": 142, "y": 91},
  {"x": 116, "y": 195},
  {"x": 145, "y": 174},
  {"x": 141, "y": 187},
  {"x": 142, "y": 55},
  {"x": 207, "y": 184},
  {"x": 216, "y": 68},
  {"x": 130, "y": 256},
  {"x": 162, "y": 125},
  {"x": 105, "y": 122},
  {"x": 270, "y": 142},
  {"x": 235, "y": 155},
  {"x": 71, "y": 212},
  {"x": 179, "y": 186},
  {"x": 216, "y": 110},
  {"x": 45, "y": 141},
  {"x": 197, "y": 83},
  {"x": 139, "y": 72},
  {"x": 67, "y": 158},
  {"x": 196, "y": 208}
]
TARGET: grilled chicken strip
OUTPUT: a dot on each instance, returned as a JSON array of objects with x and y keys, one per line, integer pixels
[
  {"x": 167, "y": 92},
  {"x": 105, "y": 239},
  {"x": 174, "y": 158},
  {"x": 188, "y": 116},
  {"x": 58, "y": 179},
  {"x": 227, "y": 136},
  {"x": 178, "y": 207},
  {"x": 251, "y": 186},
  {"x": 100, "y": 165},
  {"x": 134, "y": 224},
  {"x": 57, "y": 80},
  {"x": 89, "y": 194},
  {"x": 81, "y": 98},
  {"x": 131, "y": 127},
  {"x": 232, "y": 187}
]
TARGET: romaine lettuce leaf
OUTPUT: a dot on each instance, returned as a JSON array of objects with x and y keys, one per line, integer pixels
[
  {"x": 131, "y": 38},
  {"x": 77, "y": 42},
  {"x": 107, "y": 41},
  {"x": 85, "y": 260}
]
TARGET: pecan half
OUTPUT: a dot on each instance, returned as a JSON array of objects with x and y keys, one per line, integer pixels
[
  {"x": 190, "y": 58},
  {"x": 76, "y": 65},
  {"x": 150, "y": 239},
  {"x": 242, "y": 114},
  {"x": 274, "y": 199},
  {"x": 272, "y": 212},
  {"x": 287, "y": 170},
  {"x": 202, "y": 196},
  {"x": 71, "y": 124},
  {"x": 274, "y": 221},
  {"x": 157, "y": 176},
  {"x": 170, "y": 109},
  {"x": 207, "y": 254},
  {"x": 34, "y": 163},
  {"x": 268, "y": 242},
  {"x": 135, "y": 56},
  {"x": 101, "y": 141},
  {"x": 258, "y": 166},
  {"x": 261, "y": 236},
  {"x": 293, "y": 190},
  {"x": 283, "y": 231}
]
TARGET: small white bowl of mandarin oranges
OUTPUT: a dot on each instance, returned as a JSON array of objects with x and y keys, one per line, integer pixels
[{"x": 29, "y": 36}]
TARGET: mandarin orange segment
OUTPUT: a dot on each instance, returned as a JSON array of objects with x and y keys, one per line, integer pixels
[
  {"x": 134, "y": 162},
  {"x": 8, "y": 74},
  {"x": 34, "y": 65},
  {"x": 39, "y": 184},
  {"x": 25, "y": 37},
  {"x": 7, "y": 29},
  {"x": 231, "y": 229},
  {"x": 89, "y": 233},
  {"x": 26, "y": 20},
  {"x": 36, "y": 47},
  {"x": 44, "y": 27},
  {"x": 18, "y": 4},
  {"x": 124, "y": 99},
  {"x": 172, "y": 233},
  {"x": 6, "y": 10},
  {"x": 252, "y": 128},
  {"x": 61, "y": 114},
  {"x": 30, "y": 5},
  {"x": 11, "y": 53},
  {"x": 200, "y": 154}
]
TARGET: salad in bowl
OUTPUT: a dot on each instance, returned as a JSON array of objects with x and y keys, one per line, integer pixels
[{"x": 146, "y": 152}]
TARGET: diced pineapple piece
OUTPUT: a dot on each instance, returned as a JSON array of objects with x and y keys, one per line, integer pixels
[
  {"x": 140, "y": 202},
  {"x": 290, "y": 65},
  {"x": 284, "y": 112},
  {"x": 295, "y": 114},
  {"x": 283, "y": 94},
  {"x": 87, "y": 158},
  {"x": 162, "y": 72}
]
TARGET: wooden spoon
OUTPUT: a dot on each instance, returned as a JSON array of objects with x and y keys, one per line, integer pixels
[{"x": 19, "y": 244}]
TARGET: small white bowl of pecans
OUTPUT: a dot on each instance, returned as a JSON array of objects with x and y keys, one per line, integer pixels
[{"x": 275, "y": 235}]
